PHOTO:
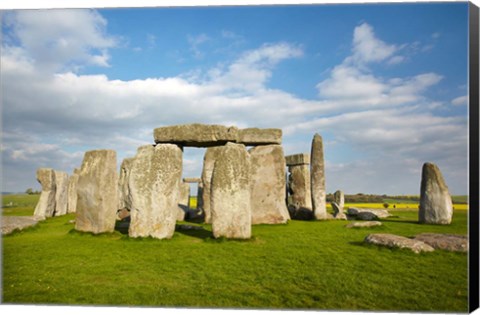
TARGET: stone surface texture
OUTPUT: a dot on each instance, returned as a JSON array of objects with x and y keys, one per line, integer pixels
[
  {"x": 154, "y": 187},
  {"x": 366, "y": 216},
  {"x": 72, "y": 193},
  {"x": 450, "y": 242},
  {"x": 230, "y": 199},
  {"x": 317, "y": 174},
  {"x": 46, "y": 204},
  {"x": 256, "y": 136},
  {"x": 391, "y": 241},
  {"x": 97, "y": 192},
  {"x": 196, "y": 135},
  {"x": 61, "y": 194},
  {"x": 338, "y": 212},
  {"x": 12, "y": 223},
  {"x": 435, "y": 201},
  {"x": 183, "y": 200},
  {"x": 380, "y": 213},
  {"x": 124, "y": 197},
  {"x": 204, "y": 203},
  {"x": 297, "y": 159},
  {"x": 300, "y": 197},
  {"x": 339, "y": 199},
  {"x": 367, "y": 224},
  {"x": 268, "y": 185},
  {"x": 192, "y": 180}
]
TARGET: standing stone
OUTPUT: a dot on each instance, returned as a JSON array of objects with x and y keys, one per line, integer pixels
[
  {"x": 97, "y": 192},
  {"x": 72, "y": 192},
  {"x": 300, "y": 198},
  {"x": 211, "y": 154},
  {"x": 46, "y": 204},
  {"x": 339, "y": 199},
  {"x": 435, "y": 201},
  {"x": 61, "y": 195},
  {"x": 154, "y": 181},
  {"x": 317, "y": 174},
  {"x": 183, "y": 200},
  {"x": 338, "y": 212},
  {"x": 124, "y": 197},
  {"x": 231, "y": 211},
  {"x": 268, "y": 185}
]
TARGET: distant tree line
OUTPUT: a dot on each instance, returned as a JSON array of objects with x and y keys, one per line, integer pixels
[{"x": 30, "y": 191}]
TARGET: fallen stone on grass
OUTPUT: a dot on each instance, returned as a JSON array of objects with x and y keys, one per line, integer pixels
[
  {"x": 366, "y": 216},
  {"x": 12, "y": 223},
  {"x": 363, "y": 224},
  {"x": 450, "y": 242},
  {"x": 379, "y": 213},
  {"x": 396, "y": 241}
]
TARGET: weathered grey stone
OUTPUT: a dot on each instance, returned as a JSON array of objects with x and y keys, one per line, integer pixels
[
  {"x": 338, "y": 212},
  {"x": 72, "y": 193},
  {"x": 339, "y": 199},
  {"x": 230, "y": 200},
  {"x": 297, "y": 159},
  {"x": 12, "y": 223},
  {"x": 256, "y": 136},
  {"x": 450, "y": 242},
  {"x": 435, "y": 201},
  {"x": 61, "y": 194},
  {"x": 317, "y": 174},
  {"x": 268, "y": 185},
  {"x": 183, "y": 200},
  {"x": 97, "y": 192},
  {"x": 379, "y": 213},
  {"x": 46, "y": 204},
  {"x": 154, "y": 183},
  {"x": 364, "y": 224},
  {"x": 196, "y": 135},
  {"x": 192, "y": 180},
  {"x": 124, "y": 197},
  {"x": 366, "y": 216},
  {"x": 300, "y": 199},
  {"x": 390, "y": 240},
  {"x": 204, "y": 203}
]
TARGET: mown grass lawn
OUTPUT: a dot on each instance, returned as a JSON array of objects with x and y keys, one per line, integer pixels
[{"x": 301, "y": 265}]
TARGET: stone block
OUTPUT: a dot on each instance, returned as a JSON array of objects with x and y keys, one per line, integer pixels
[
  {"x": 196, "y": 135},
  {"x": 45, "y": 207},
  {"x": 257, "y": 136},
  {"x": 297, "y": 159}
]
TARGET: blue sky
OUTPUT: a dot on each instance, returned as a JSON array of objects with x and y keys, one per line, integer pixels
[{"x": 385, "y": 85}]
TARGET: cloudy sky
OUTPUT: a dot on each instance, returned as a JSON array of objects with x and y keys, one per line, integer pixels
[{"x": 385, "y": 85}]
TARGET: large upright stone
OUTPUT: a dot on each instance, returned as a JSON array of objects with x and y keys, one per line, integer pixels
[
  {"x": 300, "y": 197},
  {"x": 317, "y": 173},
  {"x": 435, "y": 201},
  {"x": 231, "y": 211},
  {"x": 72, "y": 191},
  {"x": 183, "y": 200},
  {"x": 97, "y": 195},
  {"x": 196, "y": 135},
  {"x": 268, "y": 185},
  {"x": 256, "y": 136},
  {"x": 154, "y": 181},
  {"x": 204, "y": 203},
  {"x": 339, "y": 199},
  {"x": 124, "y": 197},
  {"x": 46, "y": 204},
  {"x": 61, "y": 195}
]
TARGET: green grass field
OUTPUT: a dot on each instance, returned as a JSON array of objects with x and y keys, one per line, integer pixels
[{"x": 301, "y": 265}]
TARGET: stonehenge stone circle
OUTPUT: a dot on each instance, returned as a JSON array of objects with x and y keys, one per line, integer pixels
[
  {"x": 72, "y": 192},
  {"x": 268, "y": 185},
  {"x": 183, "y": 200},
  {"x": 61, "y": 195},
  {"x": 211, "y": 154},
  {"x": 46, "y": 204},
  {"x": 154, "y": 181},
  {"x": 339, "y": 199},
  {"x": 97, "y": 192},
  {"x": 230, "y": 200},
  {"x": 124, "y": 197},
  {"x": 435, "y": 201},
  {"x": 300, "y": 199},
  {"x": 317, "y": 174}
]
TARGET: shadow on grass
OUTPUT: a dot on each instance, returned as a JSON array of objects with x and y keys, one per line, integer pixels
[
  {"x": 193, "y": 231},
  {"x": 401, "y": 221}
]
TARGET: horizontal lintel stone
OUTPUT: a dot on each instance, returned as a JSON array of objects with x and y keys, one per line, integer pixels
[
  {"x": 196, "y": 135},
  {"x": 257, "y": 136},
  {"x": 297, "y": 159},
  {"x": 192, "y": 180}
]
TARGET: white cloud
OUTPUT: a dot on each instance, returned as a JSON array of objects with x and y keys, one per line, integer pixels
[
  {"x": 195, "y": 43},
  {"x": 461, "y": 100},
  {"x": 368, "y": 48}
]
